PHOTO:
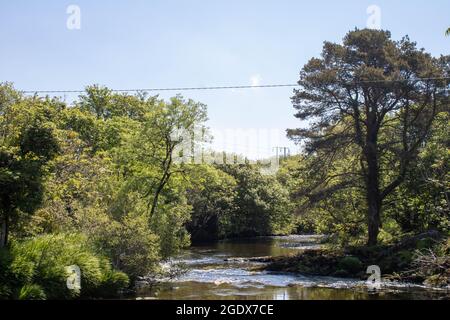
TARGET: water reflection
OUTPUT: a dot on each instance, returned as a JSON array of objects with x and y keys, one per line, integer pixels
[
  {"x": 259, "y": 247},
  {"x": 228, "y": 270},
  {"x": 208, "y": 291}
]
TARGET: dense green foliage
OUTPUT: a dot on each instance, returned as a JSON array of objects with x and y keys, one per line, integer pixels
[
  {"x": 36, "y": 269},
  {"x": 110, "y": 183},
  {"x": 375, "y": 165},
  {"x": 28, "y": 142},
  {"x": 108, "y": 169},
  {"x": 376, "y": 149},
  {"x": 239, "y": 201}
]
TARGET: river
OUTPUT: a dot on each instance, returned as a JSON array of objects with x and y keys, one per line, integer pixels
[{"x": 227, "y": 270}]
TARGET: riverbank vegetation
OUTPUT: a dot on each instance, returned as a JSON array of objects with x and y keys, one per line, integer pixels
[
  {"x": 99, "y": 183},
  {"x": 375, "y": 170},
  {"x": 102, "y": 177},
  {"x": 423, "y": 259}
]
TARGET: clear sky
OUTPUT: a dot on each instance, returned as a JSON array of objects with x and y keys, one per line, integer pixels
[{"x": 154, "y": 43}]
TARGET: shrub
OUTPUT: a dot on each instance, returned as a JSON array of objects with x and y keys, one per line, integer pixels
[
  {"x": 350, "y": 264},
  {"x": 433, "y": 265},
  {"x": 36, "y": 269},
  {"x": 31, "y": 292}
]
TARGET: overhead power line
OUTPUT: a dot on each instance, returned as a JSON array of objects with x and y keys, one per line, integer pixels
[
  {"x": 170, "y": 89},
  {"x": 231, "y": 87}
]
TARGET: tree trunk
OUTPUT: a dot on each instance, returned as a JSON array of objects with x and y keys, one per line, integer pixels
[
  {"x": 373, "y": 193},
  {"x": 4, "y": 230},
  {"x": 156, "y": 197},
  {"x": 167, "y": 163},
  {"x": 374, "y": 219}
]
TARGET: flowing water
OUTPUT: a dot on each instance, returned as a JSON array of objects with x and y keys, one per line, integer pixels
[{"x": 232, "y": 270}]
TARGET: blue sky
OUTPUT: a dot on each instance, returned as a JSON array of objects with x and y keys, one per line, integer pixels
[{"x": 142, "y": 44}]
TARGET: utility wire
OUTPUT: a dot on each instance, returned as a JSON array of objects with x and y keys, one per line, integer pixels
[
  {"x": 169, "y": 89},
  {"x": 231, "y": 87}
]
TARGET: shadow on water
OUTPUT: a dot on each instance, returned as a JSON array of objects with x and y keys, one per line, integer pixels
[{"x": 228, "y": 270}]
